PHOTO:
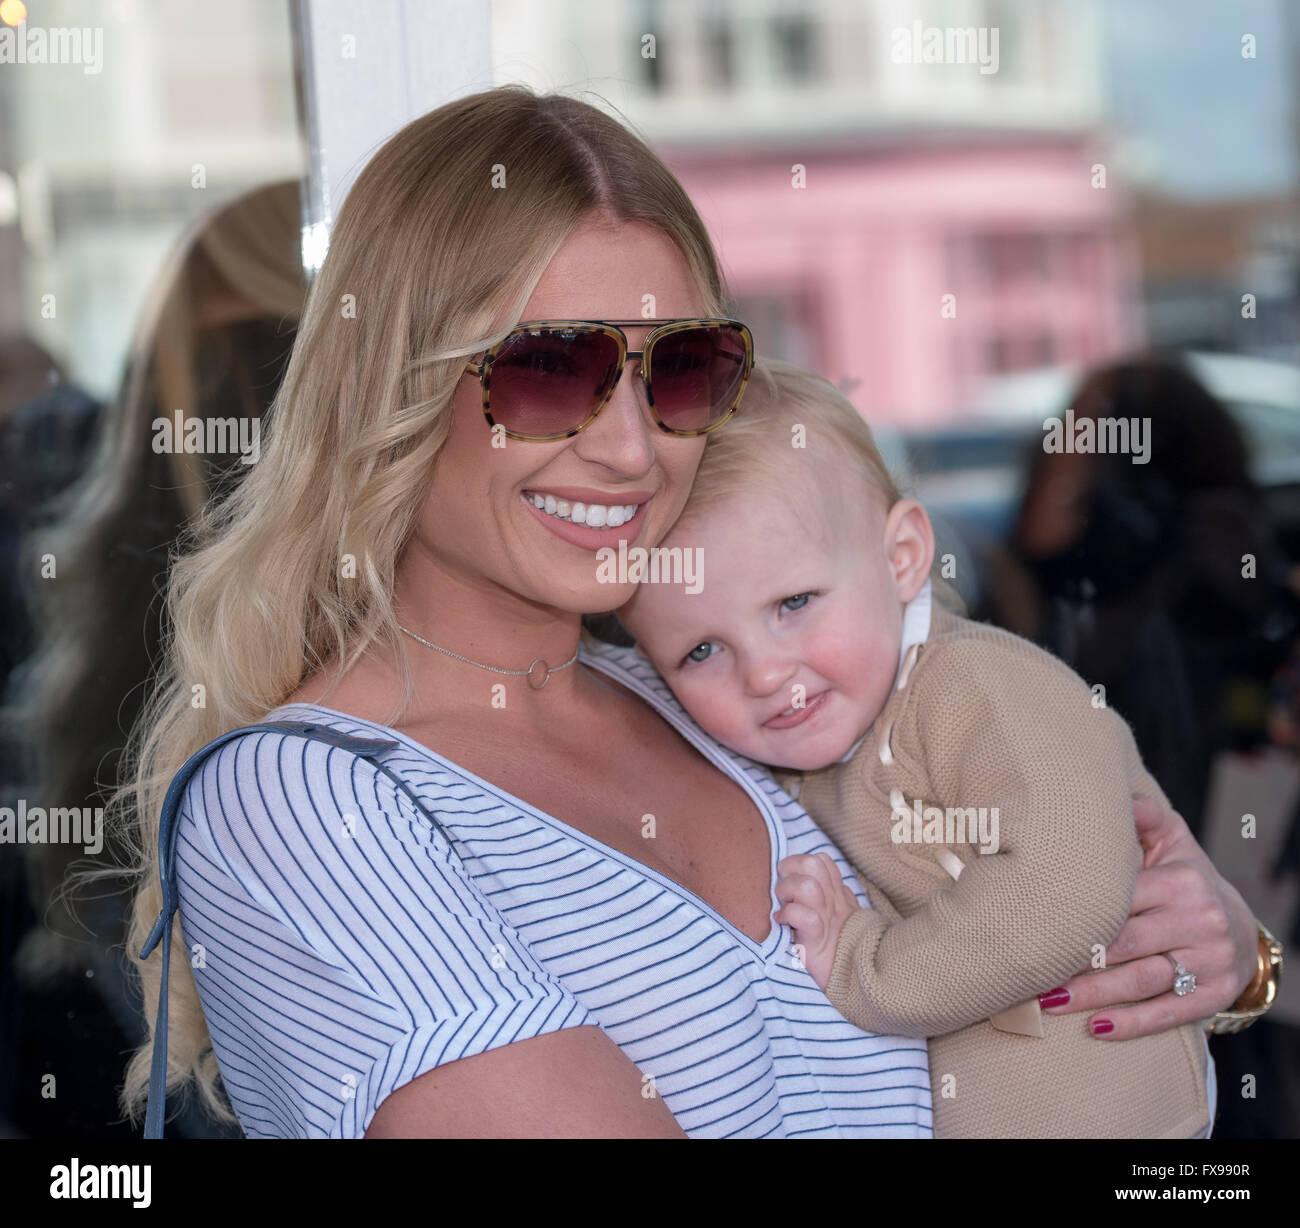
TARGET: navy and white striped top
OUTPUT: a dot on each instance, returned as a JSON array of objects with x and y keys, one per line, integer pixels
[{"x": 341, "y": 948}]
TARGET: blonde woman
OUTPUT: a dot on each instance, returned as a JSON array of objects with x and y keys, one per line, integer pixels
[{"x": 546, "y": 908}]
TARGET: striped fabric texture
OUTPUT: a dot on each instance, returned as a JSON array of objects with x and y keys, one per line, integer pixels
[{"x": 342, "y": 947}]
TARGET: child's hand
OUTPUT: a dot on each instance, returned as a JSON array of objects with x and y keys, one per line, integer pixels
[{"x": 817, "y": 903}]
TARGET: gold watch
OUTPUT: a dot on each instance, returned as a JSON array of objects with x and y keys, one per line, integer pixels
[{"x": 1259, "y": 995}]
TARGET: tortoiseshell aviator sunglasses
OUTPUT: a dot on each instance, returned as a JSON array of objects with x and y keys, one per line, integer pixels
[{"x": 549, "y": 379}]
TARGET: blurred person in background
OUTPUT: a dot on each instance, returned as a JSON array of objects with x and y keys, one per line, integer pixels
[
  {"x": 1164, "y": 582},
  {"x": 213, "y": 341},
  {"x": 1145, "y": 577},
  {"x": 46, "y": 429}
]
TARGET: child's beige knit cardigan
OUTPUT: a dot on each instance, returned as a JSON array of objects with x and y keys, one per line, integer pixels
[{"x": 984, "y": 718}]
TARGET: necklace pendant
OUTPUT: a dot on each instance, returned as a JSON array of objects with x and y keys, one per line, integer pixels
[{"x": 536, "y": 680}]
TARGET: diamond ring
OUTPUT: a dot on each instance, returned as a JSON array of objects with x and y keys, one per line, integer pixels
[{"x": 1184, "y": 981}]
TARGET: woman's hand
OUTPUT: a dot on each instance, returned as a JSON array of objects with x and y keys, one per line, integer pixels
[{"x": 1181, "y": 905}]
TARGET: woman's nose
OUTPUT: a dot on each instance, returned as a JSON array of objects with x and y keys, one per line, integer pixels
[{"x": 623, "y": 434}]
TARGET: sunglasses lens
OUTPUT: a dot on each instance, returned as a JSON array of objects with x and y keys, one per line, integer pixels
[
  {"x": 695, "y": 374},
  {"x": 547, "y": 383}
]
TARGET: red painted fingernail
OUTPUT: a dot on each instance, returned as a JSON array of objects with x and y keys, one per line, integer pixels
[
  {"x": 1053, "y": 997},
  {"x": 1101, "y": 1026}
]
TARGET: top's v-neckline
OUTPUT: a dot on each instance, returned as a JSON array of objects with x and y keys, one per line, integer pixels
[{"x": 764, "y": 949}]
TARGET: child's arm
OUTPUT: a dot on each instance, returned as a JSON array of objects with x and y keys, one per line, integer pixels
[
  {"x": 987, "y": 725},
  {"x": 816, "y": 906}
]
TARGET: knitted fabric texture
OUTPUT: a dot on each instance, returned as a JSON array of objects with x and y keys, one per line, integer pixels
[{"x": 987, "y": 719}]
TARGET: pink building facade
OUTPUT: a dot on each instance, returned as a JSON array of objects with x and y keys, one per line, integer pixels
[{"x": 849, "y": 273}]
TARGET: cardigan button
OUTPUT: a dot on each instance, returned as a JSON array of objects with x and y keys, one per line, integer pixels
[{"x": 886, "y": 754}]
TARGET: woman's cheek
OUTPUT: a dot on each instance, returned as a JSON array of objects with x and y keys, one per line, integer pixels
[{"x": 679, "y": 458}]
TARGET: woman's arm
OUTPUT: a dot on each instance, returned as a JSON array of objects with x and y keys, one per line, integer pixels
[
  {"x": 571, "y": 1084},
  {"x": 1184, "y": 906}
]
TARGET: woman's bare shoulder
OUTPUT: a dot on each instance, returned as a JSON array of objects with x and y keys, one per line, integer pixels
[{"x": 365, "y": 691}]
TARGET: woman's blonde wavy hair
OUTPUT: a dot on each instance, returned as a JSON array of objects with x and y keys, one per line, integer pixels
[{"x": 428, "y": 263}]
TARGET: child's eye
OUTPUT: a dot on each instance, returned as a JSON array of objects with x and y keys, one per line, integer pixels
[
  {"x": 796, "y": 602},
  {"x": 695, "y": 657}
]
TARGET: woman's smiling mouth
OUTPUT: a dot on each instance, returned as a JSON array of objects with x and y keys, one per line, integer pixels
[
  {"x": 594, "y": 515},
  {"x": 588, "y": 518}
]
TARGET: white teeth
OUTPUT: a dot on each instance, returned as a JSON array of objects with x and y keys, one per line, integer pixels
[{"x": 593, "y": 515}]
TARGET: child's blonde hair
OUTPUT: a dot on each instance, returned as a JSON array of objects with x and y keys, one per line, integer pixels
[
  {"x": 789, "y": 416},
  {"x": 758, "y": 450}
]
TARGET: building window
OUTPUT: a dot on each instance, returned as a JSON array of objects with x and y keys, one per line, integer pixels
[
  {"x": 1001, "y": 258},
  {"x": 651, "y": 76},
  {"x": 997, "y": 354},
  {"x": 1012, "y": 24},
  {"x": 785, "y": 323},
  {"x": 793, "y": 37},
  {"x": 719, "y": 50}
]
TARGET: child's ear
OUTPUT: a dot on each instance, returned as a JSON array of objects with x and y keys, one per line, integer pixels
[{"x": 909, "y": 546}]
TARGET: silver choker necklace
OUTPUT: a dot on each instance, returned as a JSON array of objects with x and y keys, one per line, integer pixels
[{"x": 536, "y": 678}]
